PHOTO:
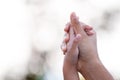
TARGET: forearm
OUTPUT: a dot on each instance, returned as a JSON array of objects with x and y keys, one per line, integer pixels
[
  {"x": 70, "y": 72},
  {"x": 95, "y": 71}
]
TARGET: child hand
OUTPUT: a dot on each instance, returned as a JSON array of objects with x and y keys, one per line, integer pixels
[{"x": 71, "y": 57}]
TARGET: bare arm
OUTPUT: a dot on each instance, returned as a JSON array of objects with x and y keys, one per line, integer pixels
[
  {"x": 71, "y": 58},
  {"x": 70, "y": 72},
  {"x": 91, "y": 66},
  {"x": 95, "y": 70}
]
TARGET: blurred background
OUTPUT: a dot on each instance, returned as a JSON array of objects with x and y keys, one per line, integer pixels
[{"x": 31, "y": 32}]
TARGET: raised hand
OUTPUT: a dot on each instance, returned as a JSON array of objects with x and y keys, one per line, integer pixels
[
  {"x": 88, "y": 64},
  {"x": 71, "y": 57}
]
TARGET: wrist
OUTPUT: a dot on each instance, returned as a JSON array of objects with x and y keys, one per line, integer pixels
[
  {"x": 95, "y": 70},
  {"x": 83, "y": 65},
  {"x": 88, "y": 69}
]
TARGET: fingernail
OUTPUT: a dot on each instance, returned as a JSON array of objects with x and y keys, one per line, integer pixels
[
  {"x": 78, "y": 36},
  {"x": 92, "y": 32}
]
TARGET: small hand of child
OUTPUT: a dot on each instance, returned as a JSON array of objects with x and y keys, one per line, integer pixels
[{"x": 71, "y": 57}]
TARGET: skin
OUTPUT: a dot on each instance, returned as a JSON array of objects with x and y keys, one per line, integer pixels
[
  {"x": 87, "y": 46},
  {"x": 87, "y": 29},
  {"x": 71, "y": 57},
  {"x": 72, "y": 52},
  {"x": 88, "y": 64}
]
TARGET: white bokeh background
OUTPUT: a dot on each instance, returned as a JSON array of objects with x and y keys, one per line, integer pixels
[{"x": 40, "y": 23}]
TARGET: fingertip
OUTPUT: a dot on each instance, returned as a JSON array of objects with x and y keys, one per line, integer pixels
[
  {"x": 90, "y": 32},
  {"x": 66, "y": 39},
  {"x": 76, "y": 41},
  {"x": 76, "y": 24},
  {"x": 64, "y": 49},
  {"x": 74, "y": 18},
  {"x": 66, "y": 29},
  {"x": 73, "y": 14},
  {"x": 88, "y": 28},
  {"x": 77, "y": 38}
]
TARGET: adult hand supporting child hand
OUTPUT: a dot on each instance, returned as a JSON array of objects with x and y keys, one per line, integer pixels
[{"x": 88, "y": 64}]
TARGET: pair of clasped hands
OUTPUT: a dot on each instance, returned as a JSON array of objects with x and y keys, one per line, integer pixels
[{"x": 81, "y": 56}]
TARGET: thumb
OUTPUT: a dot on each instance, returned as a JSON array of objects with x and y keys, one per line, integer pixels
[
  {"x": 75, "y": 23},
  {"x": 75, "y": 42}
]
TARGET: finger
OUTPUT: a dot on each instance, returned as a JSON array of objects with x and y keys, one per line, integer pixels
[
  {"x": 89, "y": 33},
  {"x": 75, "y": 43},
  {"x": 64, "y": 47},
  {"x": 71, "y": 33},
  {"x": 66, "y": 29},
  {"x": 75, "y": 23},
  {"x": 66, "y": 39},
  {"x": 87, "y": 28}
]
